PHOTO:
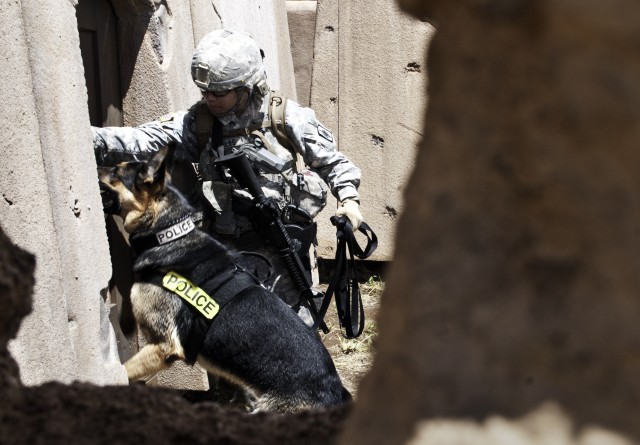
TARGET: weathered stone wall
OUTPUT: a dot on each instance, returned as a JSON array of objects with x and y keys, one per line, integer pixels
[
  {"x": 367, "y": 84},
  {"x": 515, "y": 280},
  {"x": 157, "y": 44},
  {"x": 50, "y": 203},
  {"x": 301, "y": 15}
]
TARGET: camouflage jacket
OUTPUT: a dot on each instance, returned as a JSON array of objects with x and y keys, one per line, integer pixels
[{"x": 315, "y": 143}]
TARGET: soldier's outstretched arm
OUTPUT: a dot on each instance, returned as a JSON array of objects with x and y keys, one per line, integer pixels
[{"x": 122, "y": 144}]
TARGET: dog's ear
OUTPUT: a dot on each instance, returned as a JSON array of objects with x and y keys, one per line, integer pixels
[{"x": 156, "y": 172}]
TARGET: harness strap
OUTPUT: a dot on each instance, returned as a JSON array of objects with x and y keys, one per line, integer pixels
[
  {"x": 277, "y": 114},
  {"x": 222, "y": 288},
  {"x": 344, "y": 282},
  {"x": 204, "y": 122}
]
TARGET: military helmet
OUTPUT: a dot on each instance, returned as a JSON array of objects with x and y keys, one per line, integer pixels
[{"x": 226, "y": 59}]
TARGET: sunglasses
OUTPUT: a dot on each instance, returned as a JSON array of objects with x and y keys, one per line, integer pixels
[{"x": 215, "y": 93}]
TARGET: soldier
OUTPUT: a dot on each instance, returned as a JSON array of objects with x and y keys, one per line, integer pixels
[{"x": 235, "y": 114}]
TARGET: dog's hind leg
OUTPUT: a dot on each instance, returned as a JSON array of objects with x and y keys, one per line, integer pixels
[{"x": 151, "y": 359}]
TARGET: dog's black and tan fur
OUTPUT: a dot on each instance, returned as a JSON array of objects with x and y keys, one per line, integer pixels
[{"x": 256, "y": 340}]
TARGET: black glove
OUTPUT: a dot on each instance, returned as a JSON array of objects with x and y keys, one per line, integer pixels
[{"x": 110, "y": 201}]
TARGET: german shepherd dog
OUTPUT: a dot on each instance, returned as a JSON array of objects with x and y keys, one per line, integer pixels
[{"x": 183, "y": 276}]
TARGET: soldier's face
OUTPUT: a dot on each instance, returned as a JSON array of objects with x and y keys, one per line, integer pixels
[{"x": 220, "y": 103}]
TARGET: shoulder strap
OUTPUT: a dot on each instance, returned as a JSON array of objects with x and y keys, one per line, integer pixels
[
  {"x": 204, "y": 122},
  {"x": 277, "y": 110},
  {"x": 277, "y": 115}
]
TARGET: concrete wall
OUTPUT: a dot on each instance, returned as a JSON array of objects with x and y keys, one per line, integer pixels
[
  {"x": 160, "y": 79},
  {"x": 50, "y": 201},
  {"x": 369, "y": 70},
  {"x": 301, "y": 15},
  {"x": 51, "y": 204}
]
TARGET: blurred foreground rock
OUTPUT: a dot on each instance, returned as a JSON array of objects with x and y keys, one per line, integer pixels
[
  {"x": 515, "y": 281},
  {"x": 16, "y": 286}
]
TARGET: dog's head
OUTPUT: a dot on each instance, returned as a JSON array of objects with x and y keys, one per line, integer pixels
[{"x": 139, "y": 187}]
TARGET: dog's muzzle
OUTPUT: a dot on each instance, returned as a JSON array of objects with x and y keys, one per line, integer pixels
[{"x": 110, "y": 201}]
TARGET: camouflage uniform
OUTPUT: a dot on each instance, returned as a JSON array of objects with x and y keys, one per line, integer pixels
[{"x": 313, "y": 141}]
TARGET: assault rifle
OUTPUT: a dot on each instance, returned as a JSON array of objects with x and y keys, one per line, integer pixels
[
  {"x": 263, "y": 158},
  {"x": 267, "y": 215}
]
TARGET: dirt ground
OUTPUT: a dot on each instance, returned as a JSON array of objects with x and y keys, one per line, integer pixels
[{"x": 353, "y": 357}]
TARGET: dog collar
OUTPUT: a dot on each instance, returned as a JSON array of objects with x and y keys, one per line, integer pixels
[{"x": 176, "y": 230}]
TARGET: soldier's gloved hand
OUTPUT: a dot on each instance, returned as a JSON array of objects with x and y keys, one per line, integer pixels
[{"x": 351, "y": 209}]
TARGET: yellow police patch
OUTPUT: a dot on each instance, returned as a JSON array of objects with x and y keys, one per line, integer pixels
[{"x": 191, "y": 293}]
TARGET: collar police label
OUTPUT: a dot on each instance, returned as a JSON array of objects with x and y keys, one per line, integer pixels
[{"x": 176, "y": 231}]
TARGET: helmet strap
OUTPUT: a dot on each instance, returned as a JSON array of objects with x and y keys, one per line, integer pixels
[{"x": 235, "y": 109}]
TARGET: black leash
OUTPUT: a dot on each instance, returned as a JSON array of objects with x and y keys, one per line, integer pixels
[{"x": 344, "y": 282}]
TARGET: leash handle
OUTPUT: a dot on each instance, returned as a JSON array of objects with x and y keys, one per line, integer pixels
[
  {"x": 344, "y": 282},
  {"x": 372, "y": 240}
]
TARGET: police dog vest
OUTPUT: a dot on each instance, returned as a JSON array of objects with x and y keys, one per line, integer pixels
[
  {"x": 205, "y": 298},
  {"x": 192, "y": 294}
]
